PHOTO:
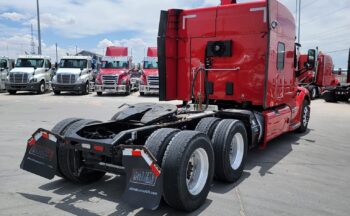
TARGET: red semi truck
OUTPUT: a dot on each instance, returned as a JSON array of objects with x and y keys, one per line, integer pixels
[
  {"x": 339, "y": 92},
  {"x": 149, "y": 80},
  {"x": 237, "y": 80},
  {"x": 114, "y": 75},
  {"x": 320, "y": 77}
]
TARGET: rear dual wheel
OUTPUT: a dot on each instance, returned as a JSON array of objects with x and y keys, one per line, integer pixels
[
  {"x": 187, "y": 162},
  {"x": 230, "y": 145},
  {"x": 68, "y": 158}
]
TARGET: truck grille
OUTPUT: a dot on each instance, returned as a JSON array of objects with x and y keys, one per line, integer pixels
[
  {"x": 66, "y": 78},
  {"x": 153, "y": 80},
  {"x": 18, "y": 78},
  {"x": 110, "y": 79}
]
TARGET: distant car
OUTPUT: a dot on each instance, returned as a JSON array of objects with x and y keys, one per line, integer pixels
[{"x": 31, "y": 73}]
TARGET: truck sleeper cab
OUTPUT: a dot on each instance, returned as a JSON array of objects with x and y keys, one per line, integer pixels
[
  {"x": 316, "y": 78},
  {"x": 31, "y": 73},
  {"x": 237, "y": 81},
  {"x": 149, "y": 80},
  {"x": 74, "y": 75},
  {"x": 6, "y": 65}
]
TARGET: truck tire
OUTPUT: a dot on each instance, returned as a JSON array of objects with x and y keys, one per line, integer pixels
[
  {"x": 59, "y": 129},
  {"x": 42, "y": 87},
  {"x": 313, "y": 92},
  {"x": 142, "y": 94},
  {"x": 128, "y": 90},
  {"x": 230, "y": 145},
  {"x": 12, "y": 92},
  {"x": 66, "y": 158},
  {"x": 305, "y": 116},
  {"x": 99, "y": 93},
  {"x": 159, "y": 141},
  {"x": 207, "y": 126},
  {"x": 329, "y": 96},
  {"x": 188, "y": 169},
  {"x": 343, "y": 98},
  {"x": 57, "y": 92},
  {"x": 86, "y": 89}
]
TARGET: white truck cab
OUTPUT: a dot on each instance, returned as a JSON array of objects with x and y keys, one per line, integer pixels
[
  {"x": 74, "y": 74},
  {"x": 6, "y": 65},
  {"x": 31, "y": 73}
]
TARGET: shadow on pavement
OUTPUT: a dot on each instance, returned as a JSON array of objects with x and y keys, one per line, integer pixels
[{"x": 110, "y": 188}]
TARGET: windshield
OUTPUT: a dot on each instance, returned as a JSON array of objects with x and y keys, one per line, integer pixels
[
  {"x": 3, "y": 63},
  {"x": 115, "y": 64},
  {"x": 38, "y": 63},
  {"x": 150, "y": 65},
  {"x": 73, "y": 63}
]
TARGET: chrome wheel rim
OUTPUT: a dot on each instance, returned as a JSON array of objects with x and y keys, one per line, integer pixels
[
  {"x": 236, "y": 151},
  {"x": 87, "y": 88},
  {"x": 313, "y": 92},
  {"x": 197, "y": 171}
]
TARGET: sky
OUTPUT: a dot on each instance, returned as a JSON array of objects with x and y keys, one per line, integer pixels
[{"x": 94, "y": 24}]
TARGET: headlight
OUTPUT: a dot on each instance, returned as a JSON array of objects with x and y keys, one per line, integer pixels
[
  {"x": 54, "y": 79},
  {"x": 142, "y": 82},
  {"x": 124, "y": 82}
]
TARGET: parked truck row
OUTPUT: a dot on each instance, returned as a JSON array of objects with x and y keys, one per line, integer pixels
[{"x": 76, "y": 74}]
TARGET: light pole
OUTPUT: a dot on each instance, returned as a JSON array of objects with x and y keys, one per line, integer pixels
[
  {"x": 299, "y": 21},
  {"x": 39, "y": 34}
]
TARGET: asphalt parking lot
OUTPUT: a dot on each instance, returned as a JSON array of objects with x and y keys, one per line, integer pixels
[{"x": 307, "y": 174}]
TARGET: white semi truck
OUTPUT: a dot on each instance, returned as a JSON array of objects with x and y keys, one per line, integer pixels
[
  {"x": 6, "y": 65},
  {"x": 74, "y": 74},
  {"x": 31, "y": 73}
]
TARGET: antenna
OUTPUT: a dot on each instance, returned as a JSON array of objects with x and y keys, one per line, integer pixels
[{"x": 32, "y": 44}]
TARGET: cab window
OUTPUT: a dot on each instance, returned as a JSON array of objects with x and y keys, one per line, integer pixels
[
  {"x": 47, "y": 64},
  {"x": 281, "y": 48}
]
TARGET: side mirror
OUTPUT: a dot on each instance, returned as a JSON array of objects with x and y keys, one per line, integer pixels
[{"x": 311, "y": 58}]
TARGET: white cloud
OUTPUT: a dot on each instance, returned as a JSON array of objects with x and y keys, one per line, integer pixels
[
  {"x": 14, "y": 16},
  {"x": 48, "y": 20}
]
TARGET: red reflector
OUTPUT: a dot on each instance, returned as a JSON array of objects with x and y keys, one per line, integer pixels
[
  {"x": 45, "y": 135},
  {"x": 98, "y": 148},
  {"x": 31, "y": 141},
  {"x": 136, "y": 153},
  {"x": 155, "y": 170}
]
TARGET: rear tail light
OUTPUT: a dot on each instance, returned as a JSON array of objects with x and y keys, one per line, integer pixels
[{"x": 98, "y": 148}]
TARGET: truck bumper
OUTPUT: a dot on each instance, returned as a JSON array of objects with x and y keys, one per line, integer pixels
[
  {"x": 68, "y": 87},
  {"x": 22, "y": 87},
  {"x": 148, "y": 89},
  {"x": 110, "y": 88},
  {"x": 144, "y": 181}
]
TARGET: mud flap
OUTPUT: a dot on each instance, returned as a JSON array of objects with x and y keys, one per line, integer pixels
[
  {"x": 41, "y": 154},
  {"x": 144, "y": 182}
]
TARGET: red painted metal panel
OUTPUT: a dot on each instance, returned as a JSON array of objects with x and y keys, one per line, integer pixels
[
  {"x": 152, "y": 52},
  {"x": 277, "y": 122},
  {"x": 116, "y": 51}
]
